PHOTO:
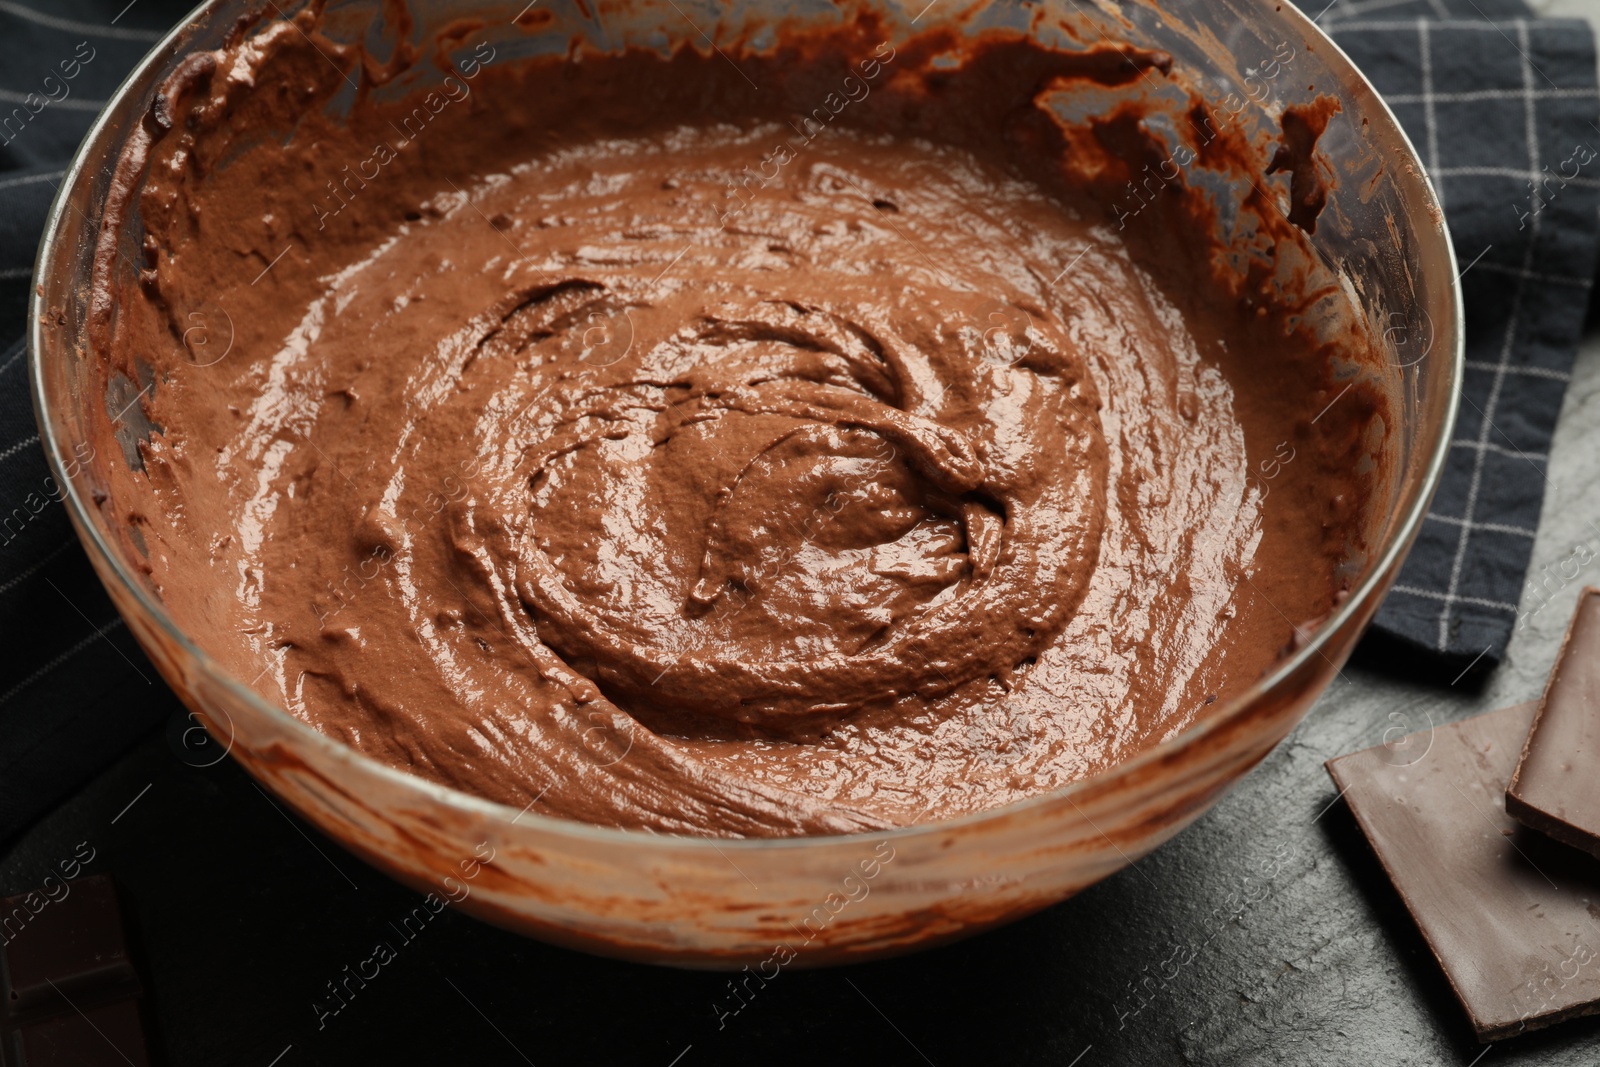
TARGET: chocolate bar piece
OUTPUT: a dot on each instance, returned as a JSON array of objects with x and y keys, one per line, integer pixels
[
  {"x": 1556, "y": 788},
  {"x": 89, "y": 1038},
  {"x": 69, "y": 993},
  {"x": 1505, "y": 910}
]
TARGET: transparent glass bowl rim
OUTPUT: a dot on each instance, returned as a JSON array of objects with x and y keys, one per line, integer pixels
[{"x": 1376, "y": 574}]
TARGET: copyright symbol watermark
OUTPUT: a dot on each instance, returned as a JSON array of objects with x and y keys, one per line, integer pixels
[
  {"x": 1404, "y": 744},
  {"x": 602, "y": 742},
  {"x": 1007, "y": 332},
  {"x": 604, "y": 337},
  {"x": 207, "y": 336},
  {"x": 194, "y": 745},
  {"x": 1408, "y": 338}
]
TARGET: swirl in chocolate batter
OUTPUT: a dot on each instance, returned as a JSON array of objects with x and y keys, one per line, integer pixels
[{"x": 909, "y": 482}]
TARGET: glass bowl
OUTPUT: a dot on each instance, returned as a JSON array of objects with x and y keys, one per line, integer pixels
[{"x": 805, "y": 901}]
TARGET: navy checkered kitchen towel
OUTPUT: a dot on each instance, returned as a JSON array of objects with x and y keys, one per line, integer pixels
[{"x": 1501, "y": 106}]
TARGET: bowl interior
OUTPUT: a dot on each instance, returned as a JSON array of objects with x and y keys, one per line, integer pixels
[{"x": 1380, "y": 240}]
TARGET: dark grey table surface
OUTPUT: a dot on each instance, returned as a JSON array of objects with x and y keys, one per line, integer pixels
[{"x": 244, "y": 914}]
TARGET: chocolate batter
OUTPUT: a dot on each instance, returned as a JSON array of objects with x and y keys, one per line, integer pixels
[{"x": 782, "y": 441}]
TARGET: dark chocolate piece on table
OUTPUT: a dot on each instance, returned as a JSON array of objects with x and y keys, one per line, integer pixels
[
  {"x": 1509, "y": 914},
  {"x": 109, "y": 1034},
  {"x": 1556, "y": 787},
  {"x": 69, "y": 994}
]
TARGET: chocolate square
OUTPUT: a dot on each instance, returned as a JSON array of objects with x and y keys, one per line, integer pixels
[
  {"x": 69, "y": 993},
  {"x": 1510, "y": 915},
  {"x": 110, "y": 1035},
  {"x": 1556, "y": 787},
  {"x": 60, "y": 942}
]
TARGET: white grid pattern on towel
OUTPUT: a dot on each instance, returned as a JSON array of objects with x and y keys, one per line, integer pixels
[
  {"x": 1468, "y": 526},
  {"x": 1494, "y": 527},
  {"x": 1434, "y": 594},
  {"x": 1425, "y": 62},
  {"x": 1410, "y": 24},
  {"x": 1499, "y": 450},
  {"x": 98, "y": 633},
  {"x": 1531, "y": 372},
  {"x": 1511, "y": 172},
  {"x": 1536, "y": 276},
  {"x": 1480, "y": 95}
]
